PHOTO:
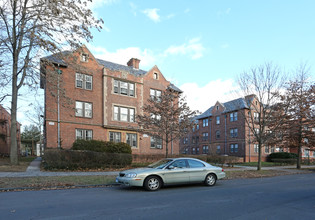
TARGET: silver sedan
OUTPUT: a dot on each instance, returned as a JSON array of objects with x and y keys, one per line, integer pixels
[{"x": 171, "y": 171}]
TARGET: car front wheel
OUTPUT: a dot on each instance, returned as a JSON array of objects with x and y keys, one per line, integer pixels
[
  {"x": 152, "y": 183},
  {"x": 210, "y": 180}
]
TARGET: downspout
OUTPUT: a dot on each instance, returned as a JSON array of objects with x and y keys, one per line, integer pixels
[{"x": 225, "y": 149}]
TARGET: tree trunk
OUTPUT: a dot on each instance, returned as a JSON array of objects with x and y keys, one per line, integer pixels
[
  {"x": 13, "y": 136},
  {"x": 298, "y": 162},
  {"x": 166, "y": 147},
  {"x": 259, "y": 157}
]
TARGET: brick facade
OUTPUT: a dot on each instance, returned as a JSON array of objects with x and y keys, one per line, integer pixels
[
  {"x": 5, "y": 126},
  {"x": 114, "y": 88},
  {"x": 227, "y": 132}
]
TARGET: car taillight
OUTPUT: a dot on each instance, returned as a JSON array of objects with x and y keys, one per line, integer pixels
[{"x": 222, "y": 170}]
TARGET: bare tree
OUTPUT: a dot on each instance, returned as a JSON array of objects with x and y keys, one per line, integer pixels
[
  {"x": 262, "y": 85},
  {"x": 168, "y": 117},
  {"x": 297, "y": 132},
  {"x": 28, "y": 30}
]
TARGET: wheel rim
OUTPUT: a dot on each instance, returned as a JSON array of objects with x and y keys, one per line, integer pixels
[
  {"x": 153, "y": 183},
  {"x": 210, "y": 180}
]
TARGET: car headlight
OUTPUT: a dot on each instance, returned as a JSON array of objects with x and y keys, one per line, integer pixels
[{"x": 131, "y": 175}]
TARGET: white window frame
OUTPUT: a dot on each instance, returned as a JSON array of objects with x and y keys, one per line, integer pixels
[
  {"x": 217, "y": 120},
  {"x": 233, "y": 116},
  {"x": 86, "y": 110},
  {"x": 85, "y": 134},
  {"x": 156, "y": 143},
  {"x": 132, "y": 139},
  {"x": 119, "y": 86},
  {"x": 85, "y": 80},
  {"x": 115, "y": 136},
  {"x": 155, "y": 94},
  {"x": 205, "y": 122},
  {"x": 256, "y": 148},
  {"x": 124, "y": 114}
]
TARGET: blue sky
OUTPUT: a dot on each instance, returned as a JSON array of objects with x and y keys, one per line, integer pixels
[{"x": 203, "y": 45}]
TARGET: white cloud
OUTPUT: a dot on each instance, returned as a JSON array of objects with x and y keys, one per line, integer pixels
[
  {"x": 202, "y": 98},
  {"x": 152, "y": 14},
  {"x": 193, "y": 48},
  {"x": 123, "y": 55}
]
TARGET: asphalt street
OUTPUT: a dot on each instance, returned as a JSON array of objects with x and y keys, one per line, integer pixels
[{"x": 283, "y": 197}]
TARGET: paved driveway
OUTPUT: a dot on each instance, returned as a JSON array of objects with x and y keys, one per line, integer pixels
[{"x": 282, "y": 197}]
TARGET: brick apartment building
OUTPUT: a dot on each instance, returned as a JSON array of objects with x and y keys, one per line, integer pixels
[
  {"x": 99, "y": 101},
  {"x": 222, "y": 130},
  {"x": 5, "y": 126}
]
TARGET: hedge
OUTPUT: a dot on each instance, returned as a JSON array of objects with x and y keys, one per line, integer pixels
[
  {"x": 101, "y": 146},
  {"x": 283, "y": 158},
  {"x": 77, "y": 159}
]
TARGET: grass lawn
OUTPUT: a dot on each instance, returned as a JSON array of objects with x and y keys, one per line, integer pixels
[
  {"x": 54, "y": 181},
  {"x": 24, "y": 162},
  {"x": 255, "y": 164}
]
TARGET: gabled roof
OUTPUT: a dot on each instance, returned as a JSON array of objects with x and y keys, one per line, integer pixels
[
  {"x": 175, "y": 88},
  {"x": 56, "y": 58},
  {"x": 119, "y": 67},
  {"x": 229, "y": 106}
]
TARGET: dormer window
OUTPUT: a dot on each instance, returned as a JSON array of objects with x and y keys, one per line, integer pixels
[
  {"x": 155, "y": 76},
  {"x": 217, "y": 107},
  {"x": 84, "y": 57}
]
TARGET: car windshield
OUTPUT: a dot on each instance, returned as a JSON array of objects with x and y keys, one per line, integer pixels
[{"x": 160, "y": 164}]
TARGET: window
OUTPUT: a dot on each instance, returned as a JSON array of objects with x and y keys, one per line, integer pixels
[
  {"x": 272, "y": 150},
  {"x": 83, "y": 134},
  {"x": 217, "y": 107},
  {"x": 205, "y": 122},
  {"x": 186, "y": 140},
  {"x": 131, "y": 139},
  {"x": 193, "y": 140},
  {"x": 193, "y": 150},
  {"x": 197, "y": 150},
  {"x": 218, "y": 149},
  {"x": 257, "y": 131},
  {"x": 197, "y": 139},
  {"x": 155, "y": 76},
  {"x": 256, "y": 116},
  {"x": 124, "y": 88},
  {"x": 193, "y": 129},
  {"x": 217, "y": 134},
  {"x": 205, "y": 149},
  {"x": 124, "y": 114},
  {"x": 179, "y": 164},
  {"x": 197, "y": 127},
  {"x": 233, "y": 132},
  {"x": 205, "y": 136},
  {"x": 217, "y": 121},
  {"x": 233, "y": 116},
  {"x": 234, "y": 148},
  {"x": 83, "y": 109},
  {"x": 195, "y": 164},
  {"x": 84, "y": 57},
  {"x": 83, "y": 81},
  {"x": 155, "y": 94},
  {"x": 256, "y": 148},
  {"x": 267, "y": 149},
  {"x": 156, "y": 142},
  {"x": 115, "y": 137}
]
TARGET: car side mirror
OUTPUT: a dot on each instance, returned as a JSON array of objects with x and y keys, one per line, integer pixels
[{"x": 171, "y": 167}]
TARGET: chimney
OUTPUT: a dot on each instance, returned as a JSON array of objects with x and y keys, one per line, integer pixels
[{"x": 134, "y": 62}]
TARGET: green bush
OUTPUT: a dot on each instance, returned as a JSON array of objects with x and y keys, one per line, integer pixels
[
  {"x": 77, "y": 159},
  {"x": 101, "y": 146},
  {"x": 283, "y": 157}
]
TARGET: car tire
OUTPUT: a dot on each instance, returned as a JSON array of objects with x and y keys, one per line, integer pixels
[
  {"x": 152, "y": 183},
  {"x": 210, "y": 180}
]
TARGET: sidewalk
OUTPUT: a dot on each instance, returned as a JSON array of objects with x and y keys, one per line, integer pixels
[{"x": 34, "y": 170}]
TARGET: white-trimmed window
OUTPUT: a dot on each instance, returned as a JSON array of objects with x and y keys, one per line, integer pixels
[
  {"x": 234, "y": 148},
  {"x": 131, "y": 139},
  {"x": 155, "y": 94},
  {"x": 155, "y": 76},
  {"x": 124, "y": 114},
  {"x": 256, "y": 148},
  {"x": 83, "y": 109},
  {"x": 83, "y": 134},
  {"x": 115, "y": 136},
  {"x": 205, "y": 149},
  {"x": 205, "y": 136},
  {"x": 83, "y": 81},
  {"x": 84, "y": 57},
  {"x": 124, "y": 88},
  {"x": 233, "y": 116},
  {"x": 156, "y": 143},
  {"x": 256, "y": 116},
  {"x": 205, "y": 122},
  {"x": 267, "y": 149},
  {"x": 218, "y": 149},
  {"x": 233, "y": 132},
  {"x": 217, "y": 120}
]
